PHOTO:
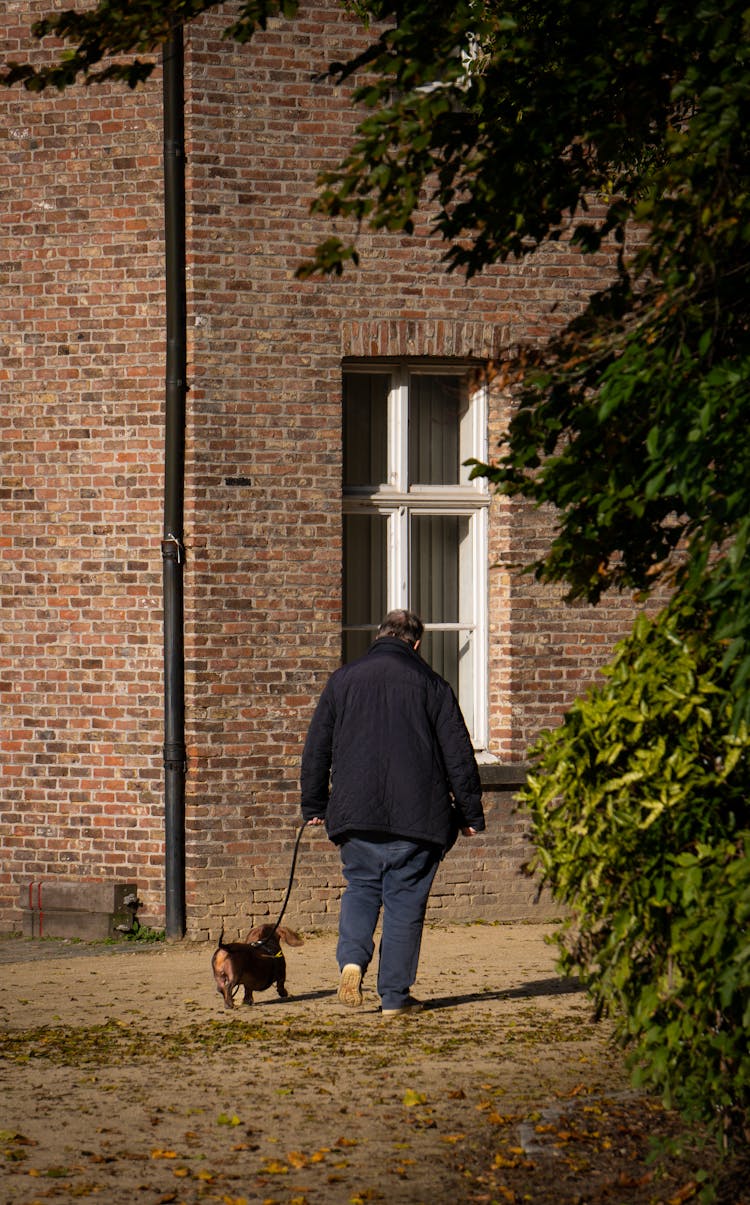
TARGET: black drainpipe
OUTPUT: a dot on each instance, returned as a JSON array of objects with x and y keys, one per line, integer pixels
[{"x": 172, "y": 548}]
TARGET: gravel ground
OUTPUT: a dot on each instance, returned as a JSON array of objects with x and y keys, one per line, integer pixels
[{"x": 123, "y": 1078}]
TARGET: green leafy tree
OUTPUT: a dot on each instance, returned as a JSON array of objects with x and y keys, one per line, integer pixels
[{"x": 612, "y": 123}]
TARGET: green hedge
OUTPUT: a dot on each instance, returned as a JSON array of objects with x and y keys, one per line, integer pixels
[{"x": 639, "y": 803}]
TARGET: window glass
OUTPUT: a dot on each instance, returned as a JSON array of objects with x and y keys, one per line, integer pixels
[
  {"x": 441, "y": 590},
  {"x": 364, "y": 580},
  {"x": 365, "y": 428},
  {"x": 436, "y": 407}
]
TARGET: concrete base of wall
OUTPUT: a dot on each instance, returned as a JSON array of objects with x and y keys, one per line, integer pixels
[{"x": 88, "y": 911}]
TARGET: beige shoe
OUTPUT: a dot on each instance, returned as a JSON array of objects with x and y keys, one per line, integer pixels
[
  {"x": 350, "y": 985},
  {"x": 410, "y": 1005}
]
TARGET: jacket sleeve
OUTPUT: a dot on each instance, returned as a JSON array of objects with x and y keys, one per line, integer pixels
[
  {"x": 316, "y": 758},
  {"x": 460, "y": 763}
]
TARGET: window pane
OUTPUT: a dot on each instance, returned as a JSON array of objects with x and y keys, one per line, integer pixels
[
  {"x": 364, "y": 581},
  {"x": 436, "y": 406},
  {"x": 435, "y": 566},
  {"x": 365, "y": 428},
  {"x": 441, "y": 592}
]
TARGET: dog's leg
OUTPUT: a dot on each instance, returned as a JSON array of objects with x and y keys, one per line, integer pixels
[
  {"x": 281, "y": 982},
  {"x": 248, "y": 996},
  {"x": 224, "y": 988}
]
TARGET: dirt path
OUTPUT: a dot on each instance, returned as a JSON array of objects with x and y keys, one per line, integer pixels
[{"x": 123, "y": 1079}]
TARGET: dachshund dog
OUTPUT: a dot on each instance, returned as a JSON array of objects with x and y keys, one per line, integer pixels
[{"x": 253, "y": 964}]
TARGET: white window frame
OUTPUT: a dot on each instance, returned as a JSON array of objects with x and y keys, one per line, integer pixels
[{"x": 397, "y": 503}]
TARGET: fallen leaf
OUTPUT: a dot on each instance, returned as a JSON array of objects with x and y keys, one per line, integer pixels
[
  {"x": 412, "y": 1098},
  {"x": 684, "y": 1194},
  {"x": 20, "y": 1139}
]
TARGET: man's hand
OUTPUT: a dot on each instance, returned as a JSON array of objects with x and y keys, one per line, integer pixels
[
  {"x": 469, "y": 832},
  {"x": 316, "y": 820}
]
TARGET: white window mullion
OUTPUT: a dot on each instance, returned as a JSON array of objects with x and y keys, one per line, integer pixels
[
  {"x": 398, "y": 432},
  {"x": 481, "y": 638},
  {"x": 398, "y": 558}
]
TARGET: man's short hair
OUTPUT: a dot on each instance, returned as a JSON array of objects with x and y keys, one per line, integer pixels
[{"x": 403, "y": 624}]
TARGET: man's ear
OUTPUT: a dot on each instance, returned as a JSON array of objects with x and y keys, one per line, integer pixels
[{"x": 416, "y": 645}]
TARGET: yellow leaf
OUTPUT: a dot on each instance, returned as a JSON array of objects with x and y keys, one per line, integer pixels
[
  {"x": 412, "y": 1098},
  {"x": 275, "y": 1168},
  {"x": 501, "y": 1161},
  {"x": 181, "y": 1171},
  {"x": 452, "y": 1137},
  {"x": 297, "y": 1159},
  {"x": 158, "y": 1154}
]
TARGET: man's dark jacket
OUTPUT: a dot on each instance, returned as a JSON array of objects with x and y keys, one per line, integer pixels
[{"x": 389, "y": 734}]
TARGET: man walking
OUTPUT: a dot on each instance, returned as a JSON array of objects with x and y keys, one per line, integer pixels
[{"x": 389, "y": 768}]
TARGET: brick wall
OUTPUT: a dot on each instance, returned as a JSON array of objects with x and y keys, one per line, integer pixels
[
  {"x": 79, "y": 533},
  {"x": 81, "y": 366}
]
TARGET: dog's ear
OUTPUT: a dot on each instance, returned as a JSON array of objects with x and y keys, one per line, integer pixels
[
  {"x": 261, "y": 933},
  {"x": 290, "y": 938}
]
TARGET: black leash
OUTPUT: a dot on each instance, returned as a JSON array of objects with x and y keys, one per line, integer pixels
[{"x": 291, "y": 878}]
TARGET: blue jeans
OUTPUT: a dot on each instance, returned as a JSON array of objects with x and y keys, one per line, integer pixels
[{"x": 396, "y": 875}]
